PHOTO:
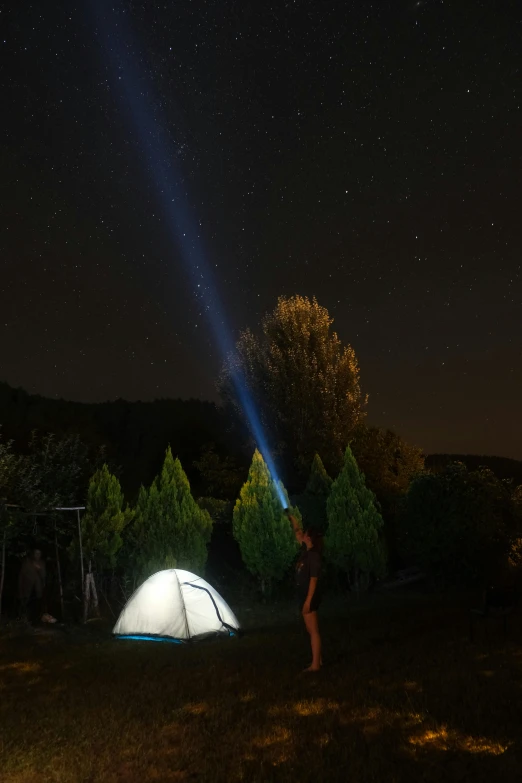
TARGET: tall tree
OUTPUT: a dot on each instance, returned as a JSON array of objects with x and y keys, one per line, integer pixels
[
  {"x": 102, "y": 527},
  {"x": 150, "y": 545},
  {"x": 261, "y": 528},
  {"x": 305, "y": 383},
  {"x": 389, "y": 465},
  {"x": 353, "y": 541},
  {"x": 312, "y": 502},
  {"x": 170, "y": 529}
]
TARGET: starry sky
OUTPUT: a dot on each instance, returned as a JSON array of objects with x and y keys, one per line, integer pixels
[{"x": 367, "y": 153}]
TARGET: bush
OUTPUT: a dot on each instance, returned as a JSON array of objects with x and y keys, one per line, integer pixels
[{"x": 458, "y": 525}]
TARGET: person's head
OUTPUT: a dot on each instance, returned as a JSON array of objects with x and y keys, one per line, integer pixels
[
  {"x": 36, "y": 554},
  {"x": 313, "y": 539}
]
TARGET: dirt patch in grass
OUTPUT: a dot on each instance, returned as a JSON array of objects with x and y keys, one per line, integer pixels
[{"x": 404, "y": 696}]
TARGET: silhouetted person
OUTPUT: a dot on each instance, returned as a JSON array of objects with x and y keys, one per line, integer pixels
[
  {"x": 308, "y": 572},
  {"x": 31, "y": 588}
]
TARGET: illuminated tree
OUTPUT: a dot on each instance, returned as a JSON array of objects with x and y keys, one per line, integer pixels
[
  {"x": 102, "y": 527},
  {"x": 304, "y": 383},
  {"x": 353, "y": 542},
  {"x": 260, "y": 527},
  {"x": 170, "y": 529}
]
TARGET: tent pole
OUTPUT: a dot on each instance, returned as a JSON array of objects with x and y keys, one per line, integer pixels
[{"x": 184, "y": 607}]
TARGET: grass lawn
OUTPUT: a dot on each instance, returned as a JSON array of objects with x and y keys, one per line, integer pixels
[{"x": 403, "y": 696}]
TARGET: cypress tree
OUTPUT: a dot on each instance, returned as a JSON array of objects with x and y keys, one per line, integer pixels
[
  {"x": 105, "y": 518},
  {"x": 102, "y": 527},
  {"x": 171, "y": 530},
  {"x": 353, "y": 542},
  {"x": 260, "y": 527},
  {"x": 312, "y": 502}
]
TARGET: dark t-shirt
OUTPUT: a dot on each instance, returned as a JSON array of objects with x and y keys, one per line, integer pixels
[{"x": 308, "y": 566}]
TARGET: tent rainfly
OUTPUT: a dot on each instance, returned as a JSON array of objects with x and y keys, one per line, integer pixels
[{"x": 175, "y": 606}]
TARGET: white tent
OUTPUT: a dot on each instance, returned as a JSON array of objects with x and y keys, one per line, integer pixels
[{"x": 175, "y": 605}]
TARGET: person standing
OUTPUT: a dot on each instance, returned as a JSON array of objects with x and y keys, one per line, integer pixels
[
  {"x": 31, "y": 587},
  {"x": 308, "y": 575}
]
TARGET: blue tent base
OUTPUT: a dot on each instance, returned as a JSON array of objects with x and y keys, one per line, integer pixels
[
  {"x": 142, "y": 638},
  {"x": 151, "y": 638}
]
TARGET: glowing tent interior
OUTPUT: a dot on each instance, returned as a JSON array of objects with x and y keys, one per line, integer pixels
[{"x": 176, "y": 606}]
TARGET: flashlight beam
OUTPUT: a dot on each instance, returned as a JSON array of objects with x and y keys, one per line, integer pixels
[{"x": 114, "y": 30}]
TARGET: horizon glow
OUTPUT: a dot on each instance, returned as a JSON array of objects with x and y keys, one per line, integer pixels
[{"x": 165, "y": 175}]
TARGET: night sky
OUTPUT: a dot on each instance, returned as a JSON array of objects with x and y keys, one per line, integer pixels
[{"x": 366, "y": 153}]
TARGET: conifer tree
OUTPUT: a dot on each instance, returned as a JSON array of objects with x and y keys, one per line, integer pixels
[
  {"x": 105, "y": 518},
  {"x": 260, "y": 527},
  {"x": 170, "y": 529},
  {"x": 102, "y": 526},
  {"x": 312, "y": 502},
  {"x": 353, "y": 542}
]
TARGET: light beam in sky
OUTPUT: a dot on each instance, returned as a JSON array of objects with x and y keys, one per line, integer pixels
[{"x": 162, "y": 165}]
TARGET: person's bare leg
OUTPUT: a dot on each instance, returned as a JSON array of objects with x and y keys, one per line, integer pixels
[{"x": 312, "y": 626}]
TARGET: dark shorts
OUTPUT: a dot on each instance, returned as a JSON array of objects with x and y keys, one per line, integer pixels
[{"x": 315, "y": 603}]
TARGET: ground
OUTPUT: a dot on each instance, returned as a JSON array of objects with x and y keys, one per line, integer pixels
[{"x": 404, "y": 696}]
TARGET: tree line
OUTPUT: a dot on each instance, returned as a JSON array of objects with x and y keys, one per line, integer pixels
[{"x": 370, "y": 492}]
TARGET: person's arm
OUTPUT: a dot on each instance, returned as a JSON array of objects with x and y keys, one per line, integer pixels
[
  {"x": 311, "y": 590},
  {"x": 295, "y": 525},
  {"x": 315, "y": 570}
]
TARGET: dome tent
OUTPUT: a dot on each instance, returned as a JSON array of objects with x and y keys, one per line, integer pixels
[{"x": 176, "y": 606}]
